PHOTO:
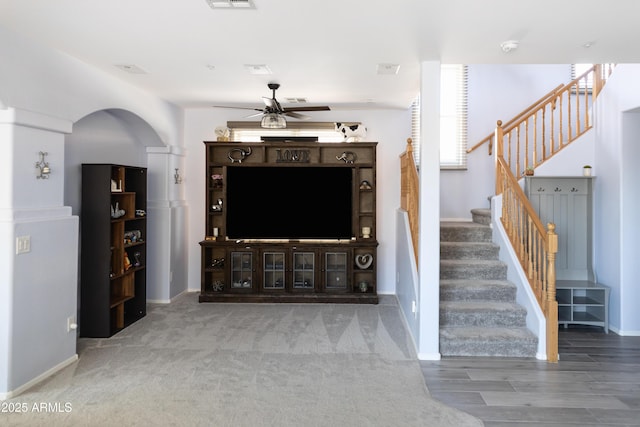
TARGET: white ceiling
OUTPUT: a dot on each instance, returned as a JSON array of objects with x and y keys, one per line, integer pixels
[{"x": 324, "y": 51}]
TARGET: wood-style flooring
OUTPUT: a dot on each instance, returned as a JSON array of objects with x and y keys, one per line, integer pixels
[{"x": 596, "y": 383}]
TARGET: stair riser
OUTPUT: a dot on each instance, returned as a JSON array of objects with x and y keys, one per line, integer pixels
[
  {"x": 490, "y": 272},
  {"x": 488, "y": 348},
  {"x": 488, "y": 251},
  {"x": 484, "y": 319},
  {"x": 481, "y": 219}
]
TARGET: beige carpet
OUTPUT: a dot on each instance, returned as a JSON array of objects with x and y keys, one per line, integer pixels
[{"x": 191, "y": 364}]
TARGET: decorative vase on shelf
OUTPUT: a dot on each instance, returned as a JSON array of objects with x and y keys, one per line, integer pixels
[
  {"x": 364, "y": 286},
  {"x": 586, "y": 170}
]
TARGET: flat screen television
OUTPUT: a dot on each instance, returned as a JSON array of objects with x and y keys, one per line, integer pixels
[{"x": 289, "y": 202}]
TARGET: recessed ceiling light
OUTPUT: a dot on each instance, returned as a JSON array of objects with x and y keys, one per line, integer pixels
[
  {"x": 587, "y": 45},
  {"x": 388, "y": 68},
  {"x": 257, "y": 69},
  {"x": 211, "y": 67},
  {"x": 236, "y": 4},
  {"x": 131, "y": 68}
]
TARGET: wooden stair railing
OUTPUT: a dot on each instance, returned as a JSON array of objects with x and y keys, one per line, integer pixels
[
  {"x": 552, "y": 122},
  {"x": 534, "y": 246},
  {"x": 489, "y": 138},
  {"x": 409, "y": 193}
]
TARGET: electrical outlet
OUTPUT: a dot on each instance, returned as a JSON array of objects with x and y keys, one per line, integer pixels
[
  {"x": 72, "y": 325},
  {"x": 414, "y": 308},
  {"x": 23, "y": 244}
]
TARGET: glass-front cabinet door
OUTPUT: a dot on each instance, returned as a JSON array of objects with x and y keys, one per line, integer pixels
[
  {"x": 241, "y": 270},
  {"x": 304, "y": 269},
  {"x": 335, "y": 266},
  {"x": 273, "y": 270}
]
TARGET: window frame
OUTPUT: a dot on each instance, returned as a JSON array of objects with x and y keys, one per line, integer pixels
[{"x": 460, "y": 92}]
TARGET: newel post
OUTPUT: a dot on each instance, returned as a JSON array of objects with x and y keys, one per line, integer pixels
[
  {"x": 499, "y": 138},
  {"x": 551, "y": 303},
  {"x": 597, "y": 79}
]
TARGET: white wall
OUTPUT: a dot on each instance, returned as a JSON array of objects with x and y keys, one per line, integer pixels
[
  {"x": 390, "y": 128},
  {"x": 408, "y": 282},
  {"x": 616, "y": 234},
  {"x": 496, "y": 92},
  {"x": 630, "y": 236}
]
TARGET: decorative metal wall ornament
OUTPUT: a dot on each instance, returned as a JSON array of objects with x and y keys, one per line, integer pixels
[
  {"x": 237, "y": 155},
  {"x": 364, "y": 261},
  {"x": 347, "y": 157},
  {"x": 176, "y": 176},
  {"x": 43, "y": 166}
]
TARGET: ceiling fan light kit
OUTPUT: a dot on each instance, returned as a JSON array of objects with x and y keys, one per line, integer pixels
[{"x": 273, "y": 121}]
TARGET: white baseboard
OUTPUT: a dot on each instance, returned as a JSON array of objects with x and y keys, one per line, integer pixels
[
  {"x": 617, "y": 331},
  {"x": 60, "y": 366},
  {"x": 168, "y": 301},
  {"x": 429, "y": 356}
]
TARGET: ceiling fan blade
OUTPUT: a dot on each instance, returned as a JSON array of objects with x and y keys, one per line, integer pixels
[
  {"x": 254, "y": 115},
  {"x": 269, "y": 102},
  {"x": 318, "y": 108},
  {"x": 237, "y": 108},
  {"x": 296, "y": 115}
]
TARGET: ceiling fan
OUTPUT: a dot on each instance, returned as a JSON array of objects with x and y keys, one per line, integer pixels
[{"x": 273, "y": 113}]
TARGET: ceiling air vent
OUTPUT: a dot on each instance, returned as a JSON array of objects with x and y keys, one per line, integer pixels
[{"x": 236, "y": 4}]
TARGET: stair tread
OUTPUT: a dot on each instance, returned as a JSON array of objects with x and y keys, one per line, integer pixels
[
  {"x": 462, "y": 224},
  {"x": 472, "y": 261},
  {"x": 476, "y": 283},
  {"x": 477, "y": 305},
  {"x": 469, "y": 243}
]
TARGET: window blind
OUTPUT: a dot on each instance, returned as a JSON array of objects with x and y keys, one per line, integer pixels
[
  {"x": 453, "y": 118},
  {"x": 415, "y": 130}
]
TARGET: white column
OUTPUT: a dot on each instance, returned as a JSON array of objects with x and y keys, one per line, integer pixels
[
  {"x": 166, "y": 222},
  {"x": 429, "y": 241}
]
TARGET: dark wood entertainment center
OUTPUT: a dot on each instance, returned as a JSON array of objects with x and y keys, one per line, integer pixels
[{"x": 292, "y": 267}]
